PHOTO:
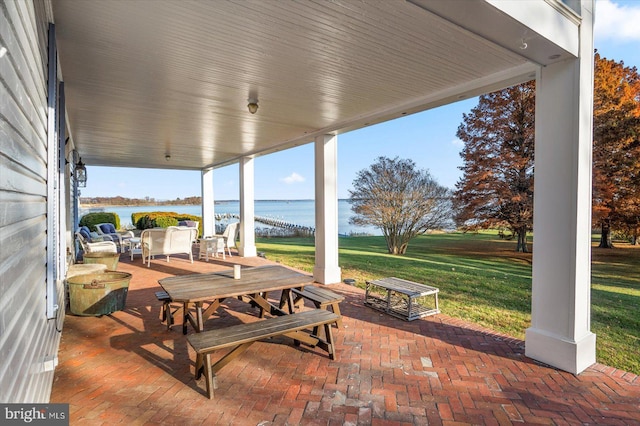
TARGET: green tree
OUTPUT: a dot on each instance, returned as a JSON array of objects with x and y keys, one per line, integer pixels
[
  {"x": 400, "y": 200},
  {"x": 496, "y": 188}
]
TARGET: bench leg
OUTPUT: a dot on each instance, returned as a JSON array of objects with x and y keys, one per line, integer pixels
[
  {"x": 323, "y": 342},
  {"x": 330, "y": 345},
  {"x": 335, "y": 307},
  {"x": 166, "y": 314},
  {"x": 163, "y": 312},
  {"x": 210, "y": 379},
  {"x": 171, "y": 314},
  {"x": 209, "y": 370}
]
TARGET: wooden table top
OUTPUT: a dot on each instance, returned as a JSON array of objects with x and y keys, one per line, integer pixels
[{"x": 218, "y": 285}]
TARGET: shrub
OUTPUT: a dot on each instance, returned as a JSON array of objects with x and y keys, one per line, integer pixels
[
  {"x": 146, "y": 220},
  {"x": 90, "y": 220},
  {"x": 165, "y": 221},
  {"x": 135, "y": 217}
]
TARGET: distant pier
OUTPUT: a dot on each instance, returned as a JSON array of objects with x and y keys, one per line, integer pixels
[{"x": 283, "y": 228}]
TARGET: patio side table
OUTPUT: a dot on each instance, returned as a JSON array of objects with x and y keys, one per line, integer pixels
[
  {"x": 401, "y": 298},
  {"x": 211, "y": 245},
  {"x": 134, "y": 246}
]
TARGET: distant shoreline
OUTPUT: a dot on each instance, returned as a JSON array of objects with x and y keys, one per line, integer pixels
[{"x": 169, "y": 203}]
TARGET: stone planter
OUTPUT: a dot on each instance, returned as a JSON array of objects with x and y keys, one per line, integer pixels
[
  {"x": 109, "y": 259},
  {"x": 98, "y": 294}
]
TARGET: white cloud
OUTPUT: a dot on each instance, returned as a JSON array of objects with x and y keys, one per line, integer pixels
[
  {"x": 293, "y": 178},
  {"x": 617, "y": 22},
  {"x": 457, "y": 143}
]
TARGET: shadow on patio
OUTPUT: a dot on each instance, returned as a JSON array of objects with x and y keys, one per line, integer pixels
[{"x": 128, "y": 368}]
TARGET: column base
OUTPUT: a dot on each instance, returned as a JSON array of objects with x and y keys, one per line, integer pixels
[
  {"x": 327, "y": 275},
  {"x": 571, "y": 356},
  {"x": 249, "y": 251}
]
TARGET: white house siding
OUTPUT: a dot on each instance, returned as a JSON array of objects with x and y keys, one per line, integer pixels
[{"x": 27, "y": 338}]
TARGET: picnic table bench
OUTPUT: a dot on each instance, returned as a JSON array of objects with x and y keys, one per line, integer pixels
[
  {"x": 321, "y": 298},
  {"x": 241, "y": 336},
  {"x": 169, "y": 309}
]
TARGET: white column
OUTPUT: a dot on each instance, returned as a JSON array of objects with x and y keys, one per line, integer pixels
[
  {"x": 208, "y": 211},
  {"x": 247, "y": 246},
  {"x": 560, "y": 332},
  {"x": 326, "y": 269}
]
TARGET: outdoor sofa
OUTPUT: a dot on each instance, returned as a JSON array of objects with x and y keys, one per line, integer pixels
[{"x": 167, "y": 241}]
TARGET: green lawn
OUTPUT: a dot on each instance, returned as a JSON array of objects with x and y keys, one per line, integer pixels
[{"x": 482, "y": 279}]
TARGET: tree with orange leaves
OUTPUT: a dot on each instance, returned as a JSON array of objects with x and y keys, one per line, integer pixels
[
  {"x": 497, "y": 183},
  {"x": 616, "y": 149}
]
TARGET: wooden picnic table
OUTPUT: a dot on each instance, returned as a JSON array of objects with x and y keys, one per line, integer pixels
[{"x": 255, "y": 283}]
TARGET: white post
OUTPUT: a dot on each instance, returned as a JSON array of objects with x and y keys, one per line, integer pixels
[
  {"x": 560, "y": 332},
  {"x": 247, "y": 246},
  {"x": 208, "y": 210},
  {"x": 326, "y": 269}
]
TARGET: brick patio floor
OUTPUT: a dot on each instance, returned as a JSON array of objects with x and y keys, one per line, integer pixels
[{"x": 128, "y": 368}]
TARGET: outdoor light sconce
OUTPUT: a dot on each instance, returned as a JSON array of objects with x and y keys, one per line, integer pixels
[
  {"x": 252, "y": 105},
  {"x": 80, "y": 174}
]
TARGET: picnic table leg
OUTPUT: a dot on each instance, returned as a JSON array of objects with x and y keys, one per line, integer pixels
[
  {"x": 185, "y": 317},
  {"x": 199, "y": 318},
  {"x": 286, "y": 298},
  {"x": 213, "y": 306},
  {"x": 262, "y": 310}
]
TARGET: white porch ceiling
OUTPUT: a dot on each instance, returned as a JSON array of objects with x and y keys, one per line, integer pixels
[{"x": 147, "y": 78}]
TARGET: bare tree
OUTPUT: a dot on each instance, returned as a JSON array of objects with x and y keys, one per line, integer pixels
[{"x": 400, "y": 200}]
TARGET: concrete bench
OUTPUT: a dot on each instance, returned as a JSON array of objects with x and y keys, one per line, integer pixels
[
  {"x": 321, "y": 298},
  {"x": 239, "y": 337}
]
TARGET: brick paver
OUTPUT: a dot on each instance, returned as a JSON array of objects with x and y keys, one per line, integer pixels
[{"x": 127, "y": 368}]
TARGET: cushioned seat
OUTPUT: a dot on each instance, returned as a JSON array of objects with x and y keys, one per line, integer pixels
[
  {"x": 92, "y": 237},
  {"x": 108, "y": 229},
  {"x": 95, "y": 247}
]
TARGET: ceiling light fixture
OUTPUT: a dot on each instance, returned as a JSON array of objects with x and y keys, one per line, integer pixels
[
  {"x": 252, "y": 105},
  {"x": 167, "y": 157}
]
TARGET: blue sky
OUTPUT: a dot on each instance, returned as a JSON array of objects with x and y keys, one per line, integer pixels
[{"x": 428, "y": 138}]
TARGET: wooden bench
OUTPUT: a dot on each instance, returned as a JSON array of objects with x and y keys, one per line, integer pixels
[
  {"x": 321, "y": 298},
  {"x": 239, "y": 337},
  {"x": 167, "y": 312}
]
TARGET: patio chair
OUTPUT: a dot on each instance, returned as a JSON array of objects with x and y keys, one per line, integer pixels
[
  {"x": 96, "y": 247},
  {"x": 230, "y": 235},
  {"x": 93, "y": 237},
  {"x": 117, "y": 237}
]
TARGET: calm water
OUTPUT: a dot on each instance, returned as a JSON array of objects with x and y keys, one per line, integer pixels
[{"x": 299, "y": 212}]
